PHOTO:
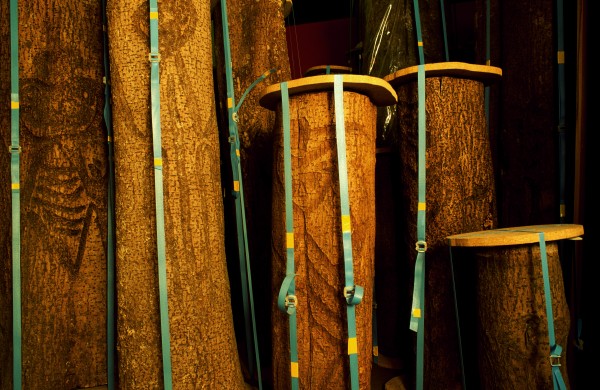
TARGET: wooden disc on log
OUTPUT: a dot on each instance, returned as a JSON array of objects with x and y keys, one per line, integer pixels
[
  {"x": 319, "y": 263},
  {"x": 513, "y": 349},
  {"x": 460, "y": 194}
]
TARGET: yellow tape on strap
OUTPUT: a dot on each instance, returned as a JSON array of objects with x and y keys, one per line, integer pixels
[
  {"x": 345, "y": 224},
  {"x": 15, "y": 186},
  {"x": 416, "y": 313},
  {"x": 236, "y": 186},
  {"x": 153, "y": 15},
  {"x": 158, "y": 162},
  {"x": 289, "y": 240},
  {"x": 421, "y": 206},
  {"x": 352, "y": 346},
  {"x": 14, "y": 105},
  {"x": 294, "y": 369}
]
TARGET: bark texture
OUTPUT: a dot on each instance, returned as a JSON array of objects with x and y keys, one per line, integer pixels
[
  {"x": 513, "y": 347},
  {"x": 5, "y": 205},
  {"x": 63, "y": 195},
  {"x": 459, "y": 198},
  {"x": 523, "y": 120},
  {"x": 257, "y": 40},
  {"x": 203, "y": 346},
  {"x": 321, "y": 313}
]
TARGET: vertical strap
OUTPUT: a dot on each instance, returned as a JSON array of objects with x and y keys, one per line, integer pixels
[
  {"x": 110, "y": 252},
  {"x": 457, "y": 316},
  {"x": 444, "y": 30},
  {"x": 238, "y": 194},
  {"x": 555, "y": 349},
  {"x": 154, "y": 58},
  {"x": 417, "y": 320},
  {"x": 286, "y": 300},
  {"x": 562, "y": 149},
  {"x": 15, "y": 161},
  {"x": 352, "y": 293}
]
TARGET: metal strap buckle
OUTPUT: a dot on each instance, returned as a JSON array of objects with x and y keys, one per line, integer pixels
[
  {"x": 15, "y": 149},
  {"x": 291, "y": 301},
  {"x": 555, "y": 360},
  {"x": 154, "y": 57},
  {"x": 421, "y": 246}
]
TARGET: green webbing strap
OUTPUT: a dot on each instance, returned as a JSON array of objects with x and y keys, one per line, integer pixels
[
  {"x": 110, "y": 252},
  {"x": 555, "y": 349},
  {"x": 286, "y": 300},
  {"x": 417, "y": 319},
  {"x": 443, "y": 12},
  {"x": 560, "y": 57},
  {"x": 327, "y": 69},
  {"x": 352, "y": 293},
  {"x": 15, "y": 158},
  {"x": 154, "y": 58},
  {"x": 238, "y": 194}
]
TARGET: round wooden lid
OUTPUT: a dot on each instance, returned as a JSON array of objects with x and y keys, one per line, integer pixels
[
  {"x": 377, "y": 89},
  {"x": 516, "y": 235},
  {"x": 484, "y": 73},
  {"x": 322, "y": 69}
]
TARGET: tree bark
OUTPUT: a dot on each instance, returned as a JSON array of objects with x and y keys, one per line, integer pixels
[
  {"x": 513, "y": 347},
  {"x": 203, "y": 346},
  {"x": 459, "y": 198},
  {"x": 523, "y": 123},
  {"x": 322, "y": 325},
  {"x": 63, "y": 195},
  {"x": 257, "y": 38}
]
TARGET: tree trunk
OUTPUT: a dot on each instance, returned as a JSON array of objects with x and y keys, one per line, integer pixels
[
  {"x": 257, "y": 39},
  {"x": 63, "y": 196},
  {"x": 524, "y": 135},
  {"x": 512, "y": 329},
  {"x": 203, "y": 346},
  {"x": 321, "y": 316},
  {"x": 5, "y": 205},
  {"x": 459, "y": 197}
]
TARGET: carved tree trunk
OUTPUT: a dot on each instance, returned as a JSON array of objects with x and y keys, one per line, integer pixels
[
  {"x": 459, "y": 198},
  {"x": 203, "y": 346},
  {"x": 63, "y": 195},
  {"x": 258, "y": 44},
  {"x": 319, "y": 259}
]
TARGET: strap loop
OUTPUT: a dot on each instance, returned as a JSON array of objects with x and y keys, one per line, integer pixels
[{"x": 421, "y": 246}]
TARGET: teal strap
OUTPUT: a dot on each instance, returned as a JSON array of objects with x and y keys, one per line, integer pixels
[
  {"x": 286, "y": 300},
  {"x": 443, "y": 13},
  {"x": 417, "y": 319},
  {"x": 352, "y": 293},
  {"x": 327, "y": 69},
  {"x": 555, "y": 349},
  {"x": 154, "y": 58},
  {"x": 15, "y": 158},
  {"x": 238, "y": 194},
  {"x": 110, "y": 252}
]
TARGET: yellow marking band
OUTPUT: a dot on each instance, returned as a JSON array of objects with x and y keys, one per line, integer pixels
[
  {"x": 266, "y": 73},
  {"x": 158, "y": 162},
  {"x": 421, "y": 206},
  {"x": 229, "y": 102},
  {"x": 352, "y": 346},
  {"x": 237, "y": 152},
  {"x": 375, "y": 351},
  {"x": 561, "y": 57},
  {"x": 294, "y": 369},
  {"x": 15, "y": 186},
  {"x": 345, "y": 224},
  {"x": 416, "y": 313},
  {"x": 488, "y": 62},
  {"x": 420, "y": 44},
  {"x": 289, "y": 240},
  {"x": 109, "y": 138},
  {"x": 236, "y": 185},
  {"x": 14, "y": 105},
  {"x": 153, "y": 15}
]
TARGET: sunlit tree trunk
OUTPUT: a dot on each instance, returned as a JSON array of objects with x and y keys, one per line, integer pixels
[
  {"x": 63, "y": 195},
  {"x": 202, "y": 342}
]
